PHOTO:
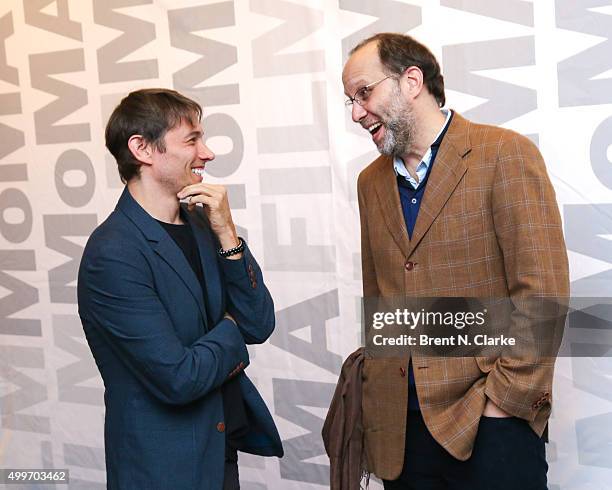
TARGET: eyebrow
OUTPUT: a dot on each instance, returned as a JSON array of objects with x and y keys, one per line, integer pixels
[
  {"x": 194, "y": 133},
  {"x": 360, "y": 84}
]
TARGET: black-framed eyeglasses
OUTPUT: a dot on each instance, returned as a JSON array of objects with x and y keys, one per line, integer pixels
[{"x": 361, "y": 96}]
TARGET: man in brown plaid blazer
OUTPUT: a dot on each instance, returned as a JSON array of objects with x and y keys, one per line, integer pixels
[{"x": 473, "y": 215}]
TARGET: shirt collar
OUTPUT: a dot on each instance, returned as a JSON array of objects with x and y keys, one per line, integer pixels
[{"x": 398, "y": 163}]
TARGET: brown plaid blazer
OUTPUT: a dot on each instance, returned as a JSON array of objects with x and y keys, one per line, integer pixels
[{"x": 488, "y": 226}]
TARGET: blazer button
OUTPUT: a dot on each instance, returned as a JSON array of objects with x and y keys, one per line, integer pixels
[
  {"x": 409, "y": 265},
  {"x": 221, "y": 427}
]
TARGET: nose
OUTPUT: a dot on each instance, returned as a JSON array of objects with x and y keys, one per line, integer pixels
[
  {"x": 358, "y": 112},
  {"x": 205, "y": 153}
]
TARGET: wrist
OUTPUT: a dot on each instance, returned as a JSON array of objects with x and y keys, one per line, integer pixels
[
  {"x": 492, "y": 410},
  {"x": 233, "y": 253},
  {"x": 228, "y": 238}
]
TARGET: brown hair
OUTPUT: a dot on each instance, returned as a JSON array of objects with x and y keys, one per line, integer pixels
[
  {"x": 398, "y": 52},
  {"x": 149, "y": 113}
]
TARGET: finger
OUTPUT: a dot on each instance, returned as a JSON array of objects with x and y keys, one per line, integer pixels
[
  {"x": 205, "y": 200},
  {"x": 186, "y": 200},
  {"x": 208, "y": 189},
  {"x": 190, "y": 203},
  {"x": 218, "y": 197}
]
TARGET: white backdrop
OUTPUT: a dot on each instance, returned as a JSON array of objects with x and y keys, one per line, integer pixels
[{"x": 268, "y": 73}]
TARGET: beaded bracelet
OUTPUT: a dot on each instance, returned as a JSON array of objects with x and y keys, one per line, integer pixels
[{"x": 233, "y": 251}]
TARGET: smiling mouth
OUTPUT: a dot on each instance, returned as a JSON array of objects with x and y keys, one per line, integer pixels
[
  {"x": 374, "y": 128},
  {"x": 199, "y": 171}
]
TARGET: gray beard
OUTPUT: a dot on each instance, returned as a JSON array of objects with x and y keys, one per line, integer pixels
[{"x": 400, "y": 128}]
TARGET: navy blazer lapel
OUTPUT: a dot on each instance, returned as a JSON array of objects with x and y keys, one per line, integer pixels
[
  {"x": 163, "y": 245},
  {"x": 208, "y": 257},
  {"x": 168, "y": 250}
]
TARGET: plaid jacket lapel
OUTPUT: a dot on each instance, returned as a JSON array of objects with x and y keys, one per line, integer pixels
[{"x": 389, "y": 200}]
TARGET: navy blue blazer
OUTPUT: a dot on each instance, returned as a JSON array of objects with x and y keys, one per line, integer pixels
[{"x": 143, "y": 312}]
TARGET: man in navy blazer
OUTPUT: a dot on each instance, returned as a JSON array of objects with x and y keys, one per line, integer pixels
[{"x": 169, "y": 297}]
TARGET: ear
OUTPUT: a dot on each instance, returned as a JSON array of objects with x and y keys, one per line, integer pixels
[
  {"x": 141, "y": 149},
  {"x": 413, "y": 78}
]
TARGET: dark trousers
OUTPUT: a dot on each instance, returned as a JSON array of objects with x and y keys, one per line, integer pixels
[
  {"x": 230, "y": 477},
  {"x": 507, "y": 455}
]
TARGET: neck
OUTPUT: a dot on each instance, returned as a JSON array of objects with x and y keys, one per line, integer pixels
[
  {"x": 155, "y": 200},
  {"x": 430, "y": 123}
]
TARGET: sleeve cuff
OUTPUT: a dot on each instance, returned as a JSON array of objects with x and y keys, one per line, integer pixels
[
  {"x": 237, "y": 270},
  {"x": 494, "y": 386}
]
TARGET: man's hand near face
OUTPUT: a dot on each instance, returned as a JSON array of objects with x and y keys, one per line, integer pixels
[{"x": 216, "y": 206}]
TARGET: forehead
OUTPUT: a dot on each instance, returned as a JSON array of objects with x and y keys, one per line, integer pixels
[
  {"x": 184, "y": 128},
  {"x": 362, "y": 67}
]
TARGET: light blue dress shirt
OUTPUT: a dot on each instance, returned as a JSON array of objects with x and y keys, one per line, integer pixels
[{"x": 421, "y": 170}]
